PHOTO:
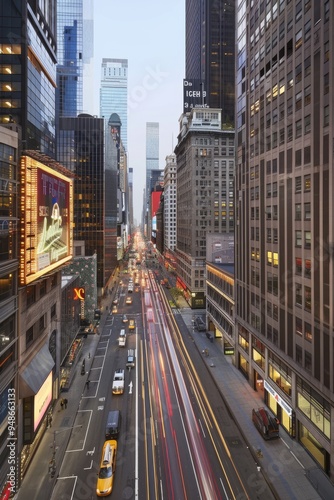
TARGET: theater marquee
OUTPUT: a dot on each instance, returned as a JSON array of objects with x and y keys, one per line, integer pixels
[{"x": 46, "y": 219}]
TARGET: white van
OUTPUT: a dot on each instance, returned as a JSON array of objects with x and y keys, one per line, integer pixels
[{"x": 122, "y": 338}]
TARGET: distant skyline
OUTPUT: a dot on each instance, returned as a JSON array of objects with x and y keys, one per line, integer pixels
[{"x": 151, "y": 35}]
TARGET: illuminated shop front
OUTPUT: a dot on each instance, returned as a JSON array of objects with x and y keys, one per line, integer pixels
[
  {"x": 67, "y": 369},
  {"x": 36, "y": 390},
  {"x": 318, "y": 411},
  {"x": 280, "y": 408}
]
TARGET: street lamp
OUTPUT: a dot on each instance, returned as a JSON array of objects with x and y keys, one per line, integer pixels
[{"x": 52, "y": 463}]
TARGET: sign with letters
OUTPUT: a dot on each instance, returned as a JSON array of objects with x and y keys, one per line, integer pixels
[{"x": 194, "y": 95}]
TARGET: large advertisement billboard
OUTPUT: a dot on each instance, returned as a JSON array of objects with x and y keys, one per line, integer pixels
[{"x": 46, "y": 219}]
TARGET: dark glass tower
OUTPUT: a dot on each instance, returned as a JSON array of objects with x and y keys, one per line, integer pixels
[
  {"x": 81, "y": 150},
  {"x": 210, "y": 49},
  {"x": 28, "y": 70}
]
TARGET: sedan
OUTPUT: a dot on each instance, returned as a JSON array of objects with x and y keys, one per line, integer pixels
[{"x": 125, "y": 318}]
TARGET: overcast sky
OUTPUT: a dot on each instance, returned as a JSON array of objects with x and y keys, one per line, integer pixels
[{"x": 150, "y": 34}]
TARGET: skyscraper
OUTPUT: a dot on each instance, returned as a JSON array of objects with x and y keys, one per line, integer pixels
[
  {"x": 152, "y": 153},
  {"x": 284, "y": 232},
  {"x": 81, "y": 150},
  {"x": 70, "y": 57},
  {"x": 205, "y": 195},
  {"x": 210, "y": 49},
  {"x": 114, "y": 93},
  {"x": 28, "y": 70},
  {"x": 170, "y": 189}
]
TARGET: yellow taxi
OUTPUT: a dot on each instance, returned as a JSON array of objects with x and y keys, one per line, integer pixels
[
  {"x": 132, "y": 324},
  {"x": 105, "y": 478}
]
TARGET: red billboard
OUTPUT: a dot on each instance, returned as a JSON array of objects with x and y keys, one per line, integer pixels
[
  {"x": 155, "y": 202},
  {"x": 46, "y": 219}
]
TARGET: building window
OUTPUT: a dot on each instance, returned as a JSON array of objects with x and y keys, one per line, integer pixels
[
  {"x": 326, "y": 116},
  {"x": 307, "y": 66},
  {"x": 298, "y": 211},
  {"x": 299, "y": 101},
  {"x": 299, "y": 327},
  {"x": 299, "y": 39},
  {"x": 298, "y": 239},
  {"x": 307, "y": 268},
  {"x": 31, "y": 295},
  {"x": 326, "y": 51},
  {"x": 299, "y": 73},
  {"x": 42, "y": 289},
  {"x": 307, "y": 239},
  {"x": 307, "y": 183},
  {"x": 308, "y": 361},
  {"x": 326, "y": 83},
  {"x": 307, "y": 95},
  {"x": 29, "y": 336},
  {"x": 307, "y": 30},
  {"x": 308, "y": 298},
  {"x": 299, "y": 266},
  {"x": 299, "y": 128},
  {"x": 298, "y": 157},
  {"x": 326, "y": 10},
  {"x": 299, "y": 295},
  {"x": 275, "y": 285},
  {"x": 307, "y": 211},
  {"x": 299, "y": 11},
  {"x": 298, "y": 184},
  {"x": 307, "y": 124},
  {"x": 53, "y": 311},
  {"x": 308, "y": 332}
]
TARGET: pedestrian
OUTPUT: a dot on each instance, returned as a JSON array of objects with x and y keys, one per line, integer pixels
[
  {"x": 62, "y": 404},
  {"x": 65, "y": 403},
  {"x": 87, "y": 384},
  {"x": 50, "y": 421}
]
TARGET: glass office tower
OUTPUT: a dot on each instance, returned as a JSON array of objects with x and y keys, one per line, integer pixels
[
  {"x": 152, "y": 153},
  {"x": 81, "y": 150},
  {"x": 70, "y": 57},
  {"x": 114, "y": 93},
  {"x": 210, "y": 50},
  {"x": 28, "y": 70},
  {"x": 284, "y": 272}
]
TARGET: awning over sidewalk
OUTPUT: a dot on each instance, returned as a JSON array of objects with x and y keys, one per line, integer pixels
[{"x": 35, "y": 373}]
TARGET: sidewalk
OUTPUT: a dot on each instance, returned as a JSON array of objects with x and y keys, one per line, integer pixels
[
  {"x": 37, "y": 483},
  {"x": 285, "y": 463}
]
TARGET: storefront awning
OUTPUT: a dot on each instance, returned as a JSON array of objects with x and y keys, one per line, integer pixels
[{"x": 35, "y": 373}]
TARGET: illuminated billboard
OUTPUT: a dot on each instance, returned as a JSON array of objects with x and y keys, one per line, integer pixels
[
  {"x": 46, "y": 239},
  {"x": 42, "y": 400}
]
